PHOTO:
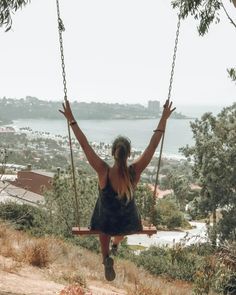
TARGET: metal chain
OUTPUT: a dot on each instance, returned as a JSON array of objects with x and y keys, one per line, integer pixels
[
  {"x": 174, "y": 55},
  {"x": 61, "y": 29},
  {"x": 169, "y": 96}
]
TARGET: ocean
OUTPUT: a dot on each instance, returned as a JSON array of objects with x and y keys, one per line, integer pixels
[{"x": 178, "y": 132}]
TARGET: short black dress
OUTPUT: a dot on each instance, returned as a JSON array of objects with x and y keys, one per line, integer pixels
[{"x": 113, "y": 215}]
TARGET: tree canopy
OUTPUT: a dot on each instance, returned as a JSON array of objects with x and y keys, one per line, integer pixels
[
  {"x": 7, "y": 8},
  {"x": 205, "y": 12},
  {"x": 214, "y": 157}
]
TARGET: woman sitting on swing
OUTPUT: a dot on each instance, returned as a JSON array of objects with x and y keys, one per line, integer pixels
[{"x": 115, "y": 213}]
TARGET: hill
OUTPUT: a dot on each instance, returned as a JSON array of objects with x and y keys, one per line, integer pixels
[
  {"x": 31, "y": 107},
  {"x": 46, "y": 265}
]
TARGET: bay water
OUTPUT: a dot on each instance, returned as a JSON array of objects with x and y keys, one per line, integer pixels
[{"x": 178, "y": 131}]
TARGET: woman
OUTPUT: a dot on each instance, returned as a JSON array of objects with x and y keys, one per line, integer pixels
[{"x": 115, "y": 213}]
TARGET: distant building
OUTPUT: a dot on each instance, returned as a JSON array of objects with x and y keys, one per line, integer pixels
[
  {"x": 154, "y": 107},
  {"x": 34, "y": 181},
  {"x": 18, "y": 195},
  {"x": 7, "y": 129}
]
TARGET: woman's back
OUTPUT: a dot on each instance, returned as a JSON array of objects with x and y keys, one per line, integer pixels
[
  {"x": 114, "y": 214},
  {"x": 115, "y": 181}
]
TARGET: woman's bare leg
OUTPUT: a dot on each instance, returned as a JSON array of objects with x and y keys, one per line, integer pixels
[
  {"x": 104, "y": 242},
  {"x": 107, "y": 261},
  {"x": 117, "y": 239}
]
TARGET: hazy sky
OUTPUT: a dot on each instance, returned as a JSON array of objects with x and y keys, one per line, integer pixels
[{"x": 116, "y": 51}]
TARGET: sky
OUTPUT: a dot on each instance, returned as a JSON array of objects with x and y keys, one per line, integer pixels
[{"x": 116, "y": 51}]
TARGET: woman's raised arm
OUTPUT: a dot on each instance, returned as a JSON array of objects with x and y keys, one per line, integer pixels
[
  {"x": 141, "y": 163},
  {"x": 94, "y": 160}
]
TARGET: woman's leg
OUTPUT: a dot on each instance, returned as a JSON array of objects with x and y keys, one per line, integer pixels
[
  {"x": 117, "y": 239},
  {"x": 107, "y": 261},
  {"x": 104, "y": 242},
  {"x": 115, "y": 242}
]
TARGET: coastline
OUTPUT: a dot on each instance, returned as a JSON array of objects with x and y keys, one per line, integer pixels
[{"x": 57, "y": 137}]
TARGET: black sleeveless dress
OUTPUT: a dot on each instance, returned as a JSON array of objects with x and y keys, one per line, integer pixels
[{"x": 113, "y": 215}]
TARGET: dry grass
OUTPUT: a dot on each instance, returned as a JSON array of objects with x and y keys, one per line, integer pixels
[
  {"x": 9, "y": 265},
  {"x": 73, "y": 265}
]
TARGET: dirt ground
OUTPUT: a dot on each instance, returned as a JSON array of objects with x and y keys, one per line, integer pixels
[{"x": 16, "y": 279}]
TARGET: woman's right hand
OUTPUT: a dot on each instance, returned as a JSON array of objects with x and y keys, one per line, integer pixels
[
  {"x": 167, "y": 111},
  {"x": 67, "y": 112}
]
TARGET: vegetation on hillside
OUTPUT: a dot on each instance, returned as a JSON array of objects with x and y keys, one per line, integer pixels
[{"x": 34, "y": 108}]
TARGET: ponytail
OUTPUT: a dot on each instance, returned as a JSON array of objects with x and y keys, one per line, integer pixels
[{"x": 121, "y": 150}]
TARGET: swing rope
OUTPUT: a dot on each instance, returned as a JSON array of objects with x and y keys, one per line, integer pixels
[
  {"x": 169, "y": 97},
  {"x": 61, "y": 29}
]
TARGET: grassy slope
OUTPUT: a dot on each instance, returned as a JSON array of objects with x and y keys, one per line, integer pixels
[{"x": 54, "y": 262}]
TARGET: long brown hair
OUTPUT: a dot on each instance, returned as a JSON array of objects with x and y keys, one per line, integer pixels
[{"x": 121, "y": 148}]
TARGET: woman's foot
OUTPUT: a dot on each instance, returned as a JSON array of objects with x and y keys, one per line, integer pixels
[{"x": 108, "y": 268}]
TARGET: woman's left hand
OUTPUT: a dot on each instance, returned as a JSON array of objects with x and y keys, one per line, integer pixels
[{"x": 67, "y": 112}]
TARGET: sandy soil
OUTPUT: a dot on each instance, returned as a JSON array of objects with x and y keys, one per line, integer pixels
[{"x": 16, "y": 279}]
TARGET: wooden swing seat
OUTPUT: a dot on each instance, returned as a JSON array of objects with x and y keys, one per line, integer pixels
[{"x": 147, "y": 230}]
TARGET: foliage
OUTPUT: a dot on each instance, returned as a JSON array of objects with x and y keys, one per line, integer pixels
[
  {"x": 7, "y": 8},
  {"x": 23, "y": 149},
  {"x": 217, "y": 272},
  {"x": 171, "y": 168},
  {"x": 208, "y": 268},
  {"x": 24, "y": 217},
  {"x": 32, "y": 107},
  {"x": 178, "y": 262},
  {"x": 194, "y": 208},
  {"x": 181, "y": 188},
  {"x": 206, "y": 12},
  {"x": 232, "y": 73},
  {"x": 227, "y": 224},
  {"x": 62, "y": 206},
  {"x": 145, "y": 201},
  {"x": 214, "y": 156},
  {"x": 168, "y": 214}
]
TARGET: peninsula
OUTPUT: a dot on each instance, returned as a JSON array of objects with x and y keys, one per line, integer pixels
[{"x": 34, "y": 108}]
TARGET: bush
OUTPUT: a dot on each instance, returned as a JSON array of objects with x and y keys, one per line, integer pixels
[
  {"x": 36, "y": 253},
  {"x": 168, "y": 214},
  {"x": 178, "y": 262},
  {"x": 24, "y": 217}
]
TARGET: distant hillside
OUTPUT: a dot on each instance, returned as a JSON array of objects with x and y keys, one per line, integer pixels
[{"x": 31, "y": 107}]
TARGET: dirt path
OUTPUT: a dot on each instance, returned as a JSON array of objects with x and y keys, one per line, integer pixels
[{"x": 28, "y": 280}]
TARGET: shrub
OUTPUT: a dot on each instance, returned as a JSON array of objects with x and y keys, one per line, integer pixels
[
  {"x": 178, "y": 262},
  {"x": 36, "y": 253},
  {"x": 24, "y": 216},
  {"x": 168, "y": 214}
]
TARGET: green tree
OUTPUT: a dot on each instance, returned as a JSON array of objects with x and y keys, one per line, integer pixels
[
  {"x": 7, "y": 8},
  {"x": 168, "y": 214},
  {"x": 205, "y": 12},
  {"x": 145, "y": 202},
  {"x": 214, "y": 156},
  {"x": 61, "y": 204},
  {"x": 180, "y": 186}
]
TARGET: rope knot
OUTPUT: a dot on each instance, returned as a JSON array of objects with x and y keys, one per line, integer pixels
[{"x": 61, "y": 25}]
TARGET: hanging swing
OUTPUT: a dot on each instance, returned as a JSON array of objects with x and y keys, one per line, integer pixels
[{"x": 147, "y": 230}]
